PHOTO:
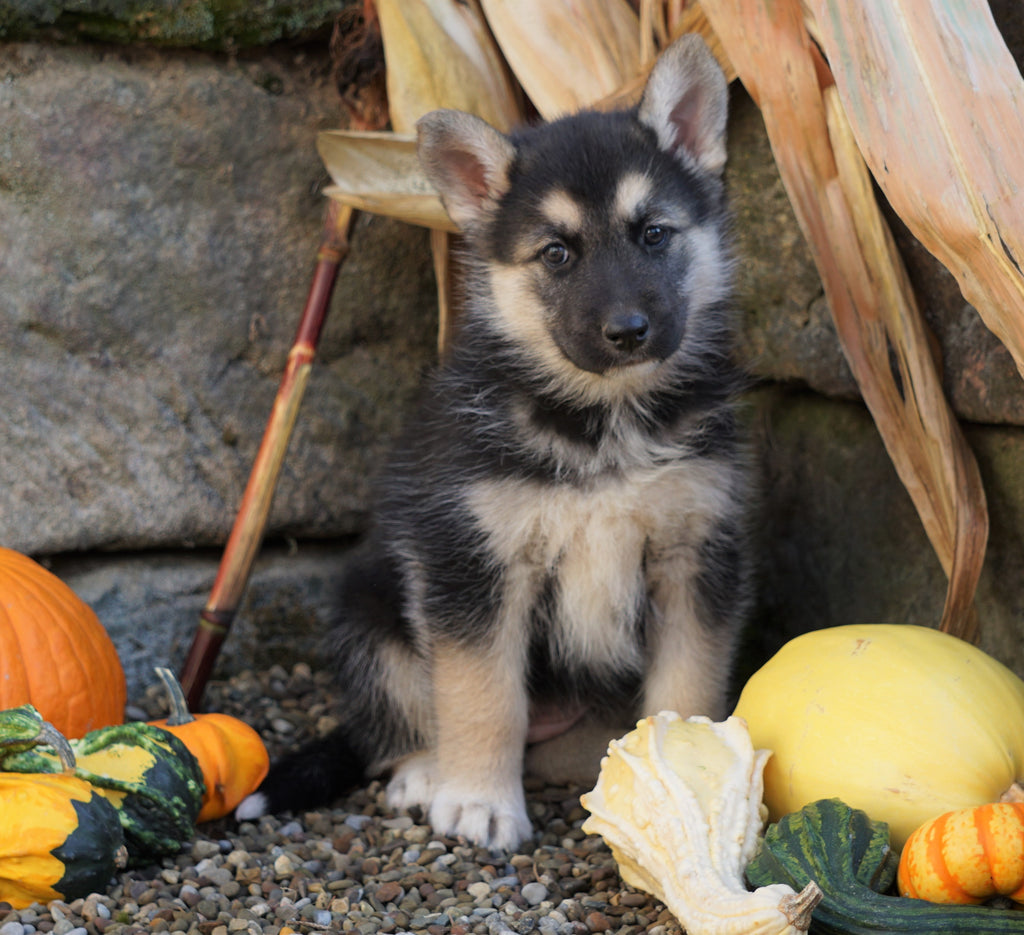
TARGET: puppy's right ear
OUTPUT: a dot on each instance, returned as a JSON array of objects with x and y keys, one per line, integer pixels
[{"x": 467, "y": 161}]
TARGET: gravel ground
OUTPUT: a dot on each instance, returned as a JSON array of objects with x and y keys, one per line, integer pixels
[{"x": 359, "y": 867}]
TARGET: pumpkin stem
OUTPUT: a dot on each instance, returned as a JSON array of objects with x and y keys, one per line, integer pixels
[
  {"x": 1014, "y": 794},
  {"x": 798, "y": 907},
  {"x": 179, "y": 708},
  {"x": 48, "y": 734},
  {"x": 23, "y": 728}
]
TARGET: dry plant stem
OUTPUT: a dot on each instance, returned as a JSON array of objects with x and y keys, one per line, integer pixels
[
  {"x": 799, "y": 908},
  {"x": 880, "y": 328},
  {"x": 443, "y": 270},
  {"x": 179, "y": 713},
  {"x": 936, "y": 103},
  {"x": 653, "y": 28},
  {"x": 250, "y": 523},
  {"x": 49, "y": 735},
  {"x": 1014, "y": 794}
]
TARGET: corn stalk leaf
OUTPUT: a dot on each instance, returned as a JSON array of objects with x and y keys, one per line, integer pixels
[
  {"x": 379, "y": 173},
  {"x": 880, "y": 328},
  {"x": 567, "y": 54},
  {"x": 440, "y": 53},
  {"x": 936, "y": 103}
]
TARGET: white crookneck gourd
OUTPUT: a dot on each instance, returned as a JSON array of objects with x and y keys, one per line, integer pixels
[{"x": 679, "y": 804}]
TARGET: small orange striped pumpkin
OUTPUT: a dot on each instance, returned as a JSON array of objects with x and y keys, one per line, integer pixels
[
  {"x": 966, "y": 856},
  {"x": 54, "y": 652}
]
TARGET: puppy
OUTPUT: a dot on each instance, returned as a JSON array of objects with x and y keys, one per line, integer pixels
[{"x": 560, "y": 534}]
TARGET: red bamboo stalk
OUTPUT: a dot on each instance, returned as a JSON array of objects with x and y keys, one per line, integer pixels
[{"x": 250, "y": 523}]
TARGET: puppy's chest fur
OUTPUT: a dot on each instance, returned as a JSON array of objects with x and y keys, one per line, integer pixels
[{"x": 579, "y": 554}]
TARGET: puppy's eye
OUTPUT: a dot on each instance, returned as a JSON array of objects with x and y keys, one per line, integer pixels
[
  {"x": 555, "y": 254},
  {"x": 654, "y": 235}
]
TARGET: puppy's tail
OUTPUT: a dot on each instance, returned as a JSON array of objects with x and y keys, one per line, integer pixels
[{"x": 314, "y": 775}]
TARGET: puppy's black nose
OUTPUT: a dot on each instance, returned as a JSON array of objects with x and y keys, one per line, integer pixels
[{"x": 626, "y": 330}]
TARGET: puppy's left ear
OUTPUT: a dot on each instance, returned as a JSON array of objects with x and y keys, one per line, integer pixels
[
  {"x": 467, "y": 161},
  {"x": 686, "y": 103}
]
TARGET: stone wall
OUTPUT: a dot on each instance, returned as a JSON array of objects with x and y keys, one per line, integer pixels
[
  {"x": 161, "y": 212},
  {"x": 161, "y": 209}
]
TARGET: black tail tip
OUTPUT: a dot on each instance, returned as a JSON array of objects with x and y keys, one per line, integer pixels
[{"x": 313, "y": 776}]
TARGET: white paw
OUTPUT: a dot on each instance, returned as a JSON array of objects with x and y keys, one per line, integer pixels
[
  {"x": 252, "y": 806},
  {"x": 494, "y": 823},
  {"x": 413, "y": 781}
]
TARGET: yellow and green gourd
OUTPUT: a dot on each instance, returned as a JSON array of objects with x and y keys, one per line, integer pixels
[
  {"x": 59, "y": 838},
  {"x": 147, "y": 774}
]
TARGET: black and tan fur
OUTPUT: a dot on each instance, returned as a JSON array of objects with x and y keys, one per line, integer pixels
[{"x": 560, "y": 534}]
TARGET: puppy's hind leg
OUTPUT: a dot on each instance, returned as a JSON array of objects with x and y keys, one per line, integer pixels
[
  {"x": 413, "y": 780},
  {"x": 383, "y": 698}
]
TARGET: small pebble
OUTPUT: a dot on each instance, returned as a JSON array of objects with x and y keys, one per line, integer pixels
[
  {"x": 535, "y": 893},
  {"x": 283, "y": 866},
  {"x": 202, "y": 849}
]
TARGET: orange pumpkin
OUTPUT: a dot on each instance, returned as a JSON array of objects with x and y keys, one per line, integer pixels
[
  {"x": 966, "y": 856},
  {"x": 54, "y": 652},
  {"x": 231, "y": 754}
]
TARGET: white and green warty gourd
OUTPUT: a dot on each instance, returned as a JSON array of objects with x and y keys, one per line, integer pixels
[{"x": 679, "y": 804}]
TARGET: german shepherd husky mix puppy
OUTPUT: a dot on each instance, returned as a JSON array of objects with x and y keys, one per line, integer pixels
[{"x": 560, "y": 534}]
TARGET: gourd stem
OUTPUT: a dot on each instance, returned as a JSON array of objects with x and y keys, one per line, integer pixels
[
  {"x": 798, "y": 907},
  {"x": 49, "y": 735},
  {"x": 1014, "y": 794},
  {"x": 179, "y": 707}
]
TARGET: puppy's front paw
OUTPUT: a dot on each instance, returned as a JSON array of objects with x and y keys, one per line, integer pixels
[{"x": 497, "y": 824}]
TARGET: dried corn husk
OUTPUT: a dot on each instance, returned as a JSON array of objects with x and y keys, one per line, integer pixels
[
  {"x": 439, "y": 53},
  {"x": 679, "y": 804},
  {"x": 883, "y": 335},
  {"x": 936, "y": 103},
  {"x": 567, "y": 54},
  {"x": 661, "y": 23},
  {"x": 379, "y": 172}
]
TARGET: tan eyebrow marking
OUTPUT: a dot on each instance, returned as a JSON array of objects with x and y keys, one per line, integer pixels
[
  {"x": 562, "y": 210},
  {"x": 631, "y": 195}
]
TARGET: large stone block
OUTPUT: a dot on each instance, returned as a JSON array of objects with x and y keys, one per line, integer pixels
[
  {"x": 787, "y": 333},
  {"x": 149, "y": 603},
  {"x": 214, "y": 24},
  {"x": 840, "y": 541},
  {"x": 161, "y": 215}
]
